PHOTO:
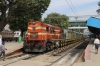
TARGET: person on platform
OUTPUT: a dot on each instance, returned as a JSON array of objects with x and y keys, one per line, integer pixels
[
  {"x": 0, "y": 44},
  {"x": 96, "y": 43},
  {"x": 3, "y": 50}
]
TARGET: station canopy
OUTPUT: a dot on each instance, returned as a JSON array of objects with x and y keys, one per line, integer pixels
[{"x": 93, "y": 25}]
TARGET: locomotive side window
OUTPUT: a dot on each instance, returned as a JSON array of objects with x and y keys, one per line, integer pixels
[
  {"x": 52, "y": 30},
  {"x": 47, "y": 29}
]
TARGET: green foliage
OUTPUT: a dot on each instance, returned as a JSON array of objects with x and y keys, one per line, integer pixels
[
  {"x": 57, "y": 19},
  {"x": 25, "y": 10},
  {"x": 5, "y": 12},
  {"x": 98, "y": 10},
  {"x": 99, "y": 3}
]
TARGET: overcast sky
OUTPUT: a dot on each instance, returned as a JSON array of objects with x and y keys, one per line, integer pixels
[{"x": 83, "y": 7}]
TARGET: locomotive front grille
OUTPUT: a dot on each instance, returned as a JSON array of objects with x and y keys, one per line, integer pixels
[{"x": 33, "y": 35}]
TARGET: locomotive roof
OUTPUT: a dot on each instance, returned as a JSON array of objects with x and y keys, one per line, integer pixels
[
  {"x": 47, "y": 24},
  {"x": 51, "y": 25}
]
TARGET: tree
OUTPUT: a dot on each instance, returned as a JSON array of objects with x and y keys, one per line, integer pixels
[
  {"x": 57, "y": 19},
  {"x": 5, "y": 12},
  {"x": 98, "y": 10},
  {"x": 23, "y": 11}
]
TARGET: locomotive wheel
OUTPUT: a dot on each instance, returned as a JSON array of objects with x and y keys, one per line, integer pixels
[
  {"x": 24, "y": 48},
  {"x": 49, "y": 47},
  {"x": 32, "y": 46}
]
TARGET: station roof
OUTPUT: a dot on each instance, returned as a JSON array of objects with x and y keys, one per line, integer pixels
[{"x": 77, "y": 20}]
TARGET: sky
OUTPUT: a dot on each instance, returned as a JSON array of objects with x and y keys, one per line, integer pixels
[{"x": 81, "y": 7}]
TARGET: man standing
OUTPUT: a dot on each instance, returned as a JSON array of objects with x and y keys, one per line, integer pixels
[
  {"x": 0, "y": 44},
  {"x": 3, "y": 50},
  {"x": 96, "y": 42}
]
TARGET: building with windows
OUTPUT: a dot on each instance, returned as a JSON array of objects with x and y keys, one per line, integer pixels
[{"x": 77, "y": 25}]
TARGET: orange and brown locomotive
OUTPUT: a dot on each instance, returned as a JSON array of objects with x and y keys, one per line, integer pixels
[{"x": 40, "y": 35}]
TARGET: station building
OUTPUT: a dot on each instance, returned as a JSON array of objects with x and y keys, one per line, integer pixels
[{"x": 79, "y": 26}]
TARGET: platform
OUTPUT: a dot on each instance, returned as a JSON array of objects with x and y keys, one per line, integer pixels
[
  {"x": 12, "y": 46},
  {"x": 91, "y": 59}
]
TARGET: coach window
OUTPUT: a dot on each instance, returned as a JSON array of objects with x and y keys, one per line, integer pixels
[{"x": 47, "y": 29}]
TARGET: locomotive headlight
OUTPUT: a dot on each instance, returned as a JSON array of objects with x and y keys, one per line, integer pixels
[{"x": 33, "y": 22}]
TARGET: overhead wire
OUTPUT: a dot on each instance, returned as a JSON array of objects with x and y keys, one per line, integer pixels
[
  {"x": 74, "y": 7},
  {"x": 71, "y": 8},
  {"x": 50, "y": 10},
  {"x": 75, "y": 10}
]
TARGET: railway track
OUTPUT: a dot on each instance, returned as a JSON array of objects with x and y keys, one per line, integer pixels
[
  {"x": 71, "y": 56},
  {"x": 63, "y": 55},
  {"x": 19, "y": 55},
  {"x": 15, "y": 57},
  {"x": 52, "y": 59}
]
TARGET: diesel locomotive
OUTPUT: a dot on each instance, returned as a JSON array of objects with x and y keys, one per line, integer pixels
[{"x": 39, "y": 36}]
